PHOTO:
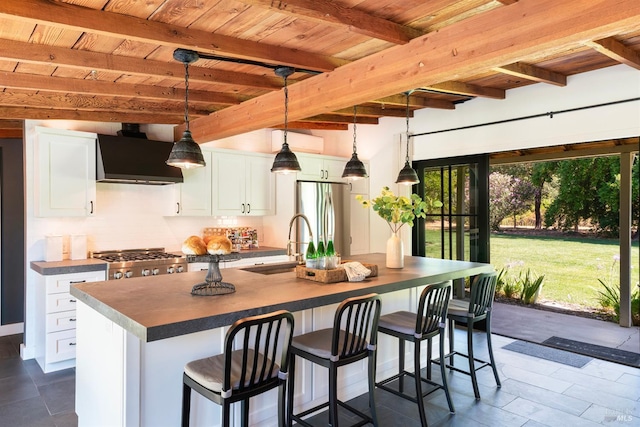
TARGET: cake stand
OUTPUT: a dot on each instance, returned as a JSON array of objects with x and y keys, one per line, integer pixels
[{"x": 213, "y": 284}]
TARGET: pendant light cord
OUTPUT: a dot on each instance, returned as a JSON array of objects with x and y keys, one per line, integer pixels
[
  {"x": 354, "y": 127},
  {"x": 286, "y": 109},
  {"x": 407, "y": 118},
  {"x": 186, "y": 94}
]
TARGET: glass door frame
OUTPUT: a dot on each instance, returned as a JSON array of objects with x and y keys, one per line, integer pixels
[{"x": 482, "y": 204}]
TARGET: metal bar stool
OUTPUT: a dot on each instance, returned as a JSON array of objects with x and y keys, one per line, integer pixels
[
  {"x": 352, "y": 338},
  {"x": 427, "y": 323},
  {"x": 476, "y": 309},
  {"x": 258, "y": 366}
]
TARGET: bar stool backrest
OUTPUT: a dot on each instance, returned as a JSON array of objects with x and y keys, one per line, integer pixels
[
  {"x": 355, "y": 326},
  {"x": 483, "y": 290},
  {"x": 432, "y": 308},
  {"x": 264, "y": 341}
]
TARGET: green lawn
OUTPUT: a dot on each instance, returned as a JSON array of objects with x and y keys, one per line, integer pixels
[{"x": 571, "y": 266}]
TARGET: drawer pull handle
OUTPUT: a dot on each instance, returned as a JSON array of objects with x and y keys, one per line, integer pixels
[
  {"x": 72, "y": 300},
  {"x": 72, "y": 343},
  {"x": 73, "y": 319},
  {"x": 77, "y": 281}
]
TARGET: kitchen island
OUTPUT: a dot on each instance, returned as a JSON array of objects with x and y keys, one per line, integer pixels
[{"x": 135, "y": 336}]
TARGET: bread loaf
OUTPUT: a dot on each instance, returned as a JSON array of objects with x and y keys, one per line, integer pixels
[
  {"x": 194, "y": 245},
  {"x": 219, "y": 245}
]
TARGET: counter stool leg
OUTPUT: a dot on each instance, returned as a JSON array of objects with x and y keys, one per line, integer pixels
[
  {"x": 418, "y": 380},
  {"x": 186, "y": 404},
  {"x": 452, "y": 328},
  {"x": 401, "y": 364},
  {"x": 372, "y": 387},
  {"x": 490, "y": 346},
  {"x": 290, "y": 388},
  {"x": 333, "y": 396},
  {"x": 472, "y": 365},
  {"x": 443, "y": 373},
  {"x": 244, "y": 407},
  {"x": 282, "y": 413},
  {"x": 429, "y": 349}
]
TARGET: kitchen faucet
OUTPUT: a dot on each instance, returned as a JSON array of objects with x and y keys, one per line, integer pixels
[{"x": 299, "y": 256}]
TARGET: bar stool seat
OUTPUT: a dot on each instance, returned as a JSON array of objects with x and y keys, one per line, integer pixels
[
  {"x": 352, "y": 338},
  {"x": 470, "y": 312},
  {"x": 236, "y": 375},
  {"x": 426, "y": 324}
]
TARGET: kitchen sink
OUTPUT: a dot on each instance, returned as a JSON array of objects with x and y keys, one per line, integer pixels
[{"x": 275, "y": 268}]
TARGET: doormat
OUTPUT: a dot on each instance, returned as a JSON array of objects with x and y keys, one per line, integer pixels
[
  {"x": 548, "y": 353},
  {"x": 605, "y": 353}
]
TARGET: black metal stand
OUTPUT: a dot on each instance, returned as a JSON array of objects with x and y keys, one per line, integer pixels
[{"x": 213, "y": 284}]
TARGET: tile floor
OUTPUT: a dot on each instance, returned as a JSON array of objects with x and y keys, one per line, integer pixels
[{"x": 534, "y": 393}]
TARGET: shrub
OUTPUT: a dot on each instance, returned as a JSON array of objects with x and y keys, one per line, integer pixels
[
  {"x": 511, "y": 288},
  {"x": 609, "y": 295},
  {"x": 530, "y": 285}
]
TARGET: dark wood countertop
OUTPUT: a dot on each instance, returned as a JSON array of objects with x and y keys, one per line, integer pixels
[{"x": 160, "y": 307}]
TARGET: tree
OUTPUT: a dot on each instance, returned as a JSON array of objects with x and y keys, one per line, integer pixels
[
  {"x": 508, "y": 195},
  {"x": 542, "y": 173}
]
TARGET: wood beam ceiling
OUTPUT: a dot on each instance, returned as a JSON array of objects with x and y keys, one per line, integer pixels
[
  {"x": 466, "y": 48},
  {"x": 112, "y": 24},
  {"x": 533, "y": 73},
  {"x": 615, "y": 50}
]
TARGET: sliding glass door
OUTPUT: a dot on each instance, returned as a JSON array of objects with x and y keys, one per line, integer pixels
[{"x": 460, "y": 229}]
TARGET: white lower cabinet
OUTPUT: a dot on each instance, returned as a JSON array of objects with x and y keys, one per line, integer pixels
[{"x": 56, "y": 319}]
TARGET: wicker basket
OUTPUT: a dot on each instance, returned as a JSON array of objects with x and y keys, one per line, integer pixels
[{"x": 329, "y": 276}]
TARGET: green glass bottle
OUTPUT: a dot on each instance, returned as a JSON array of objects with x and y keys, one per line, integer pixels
[
  {"x": 321, "y": 254},
  {"x": 330, "y": 250},
  {"x": 311, "y": 256}
]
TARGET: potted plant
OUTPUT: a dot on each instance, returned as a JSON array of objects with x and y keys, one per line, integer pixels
[{"x": 398, "y": 211}]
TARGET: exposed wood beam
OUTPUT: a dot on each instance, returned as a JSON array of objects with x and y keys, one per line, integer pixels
[
  {"x": 337, "y": 118},
  {"x": 34, "y": 113},
  {"x": 461, "y": 88},
  {"x": 415, "y": 102},
  {"x": 85, "y": 60},
  {"x": 94, "y": 103},
  {"x": 470, "y": 47},
  {"x": 531, "y": 72},
  {"x": 99, "y": 87},
  {"x": 314, "y": 126},
  {"x": 10, "y": 133},
  {"x": 112, "y": 24},
  {"x": 507, "y": 2},
  {"x": 374, "y": 111},
  {"x": 617, "y": 51},
  {"x": 327, "y": 11}
]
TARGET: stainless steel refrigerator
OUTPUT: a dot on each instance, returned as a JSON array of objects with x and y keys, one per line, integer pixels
[{"x": 327, "y": 206}]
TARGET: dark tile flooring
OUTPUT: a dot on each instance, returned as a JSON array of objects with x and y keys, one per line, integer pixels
[{"x": 534, "y": 393}]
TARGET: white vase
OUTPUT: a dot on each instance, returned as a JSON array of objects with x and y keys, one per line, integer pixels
[{"x": 395, "y": 251}]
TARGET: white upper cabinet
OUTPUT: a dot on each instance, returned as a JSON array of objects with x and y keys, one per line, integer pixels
[
  {"x": 65, "y": 173},
  {"x": 243, "y": 184},
  {"x": 320, "y": 168},
  {"x": 193, "y": 196}
]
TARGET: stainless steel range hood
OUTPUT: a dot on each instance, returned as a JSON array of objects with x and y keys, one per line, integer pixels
[{"x": 134, "y": 160}]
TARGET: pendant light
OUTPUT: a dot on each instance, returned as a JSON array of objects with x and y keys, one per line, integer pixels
[
  {"x": 354, "y": 169},
  {"x": 186, "y": 153},
  {"x": 285, "y": 161},
  {"x": 407, "y": 175}
]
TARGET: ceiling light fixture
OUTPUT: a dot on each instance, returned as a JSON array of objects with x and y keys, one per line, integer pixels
[
  {"x": 285, "y": 161},
  {"x": 186, "y": 153},
  {"x": 354, "y": 169},
  {"x": 407, "y": 175}
]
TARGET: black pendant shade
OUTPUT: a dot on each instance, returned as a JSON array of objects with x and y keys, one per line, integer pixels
[
  {"x": 354, "y": 169},
  {"x": 186, "y": 153},
  {"x": 285, "y": 161},
  {"x": 407, "y": 175}
]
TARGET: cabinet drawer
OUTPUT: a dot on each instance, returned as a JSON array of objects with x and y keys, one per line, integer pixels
[
  {"x": 61, "y": 321},
  {"x": 61, "y": 346},
  {"x": 60, "y": 302},
  {"x": 61, "y": 283}
]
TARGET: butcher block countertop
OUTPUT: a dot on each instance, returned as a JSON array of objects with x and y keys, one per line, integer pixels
[{"x": 160, "y": 307}]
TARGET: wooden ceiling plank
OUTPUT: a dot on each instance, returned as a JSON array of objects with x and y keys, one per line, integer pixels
[
  {"x": 616, "y": 50},
  {"x": 56, "y": 56},
  {"x": 374, "y": 111},
  {"x": 415, "y": 102},
  {"x": 531, "y": 72},
  {"x": 35, "y": 113},
  {"x": 93, "y": 103},
  {"x": 111, "y": 24},
  {"x": 462, "y": 49},
  {"x": 314, "y": 126},
  {"x": 337, "y": 118},
  {"x": 97, "y": 87},
  {"x": 461, "y": 88},
  {"x": 328, "y": 11}
]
